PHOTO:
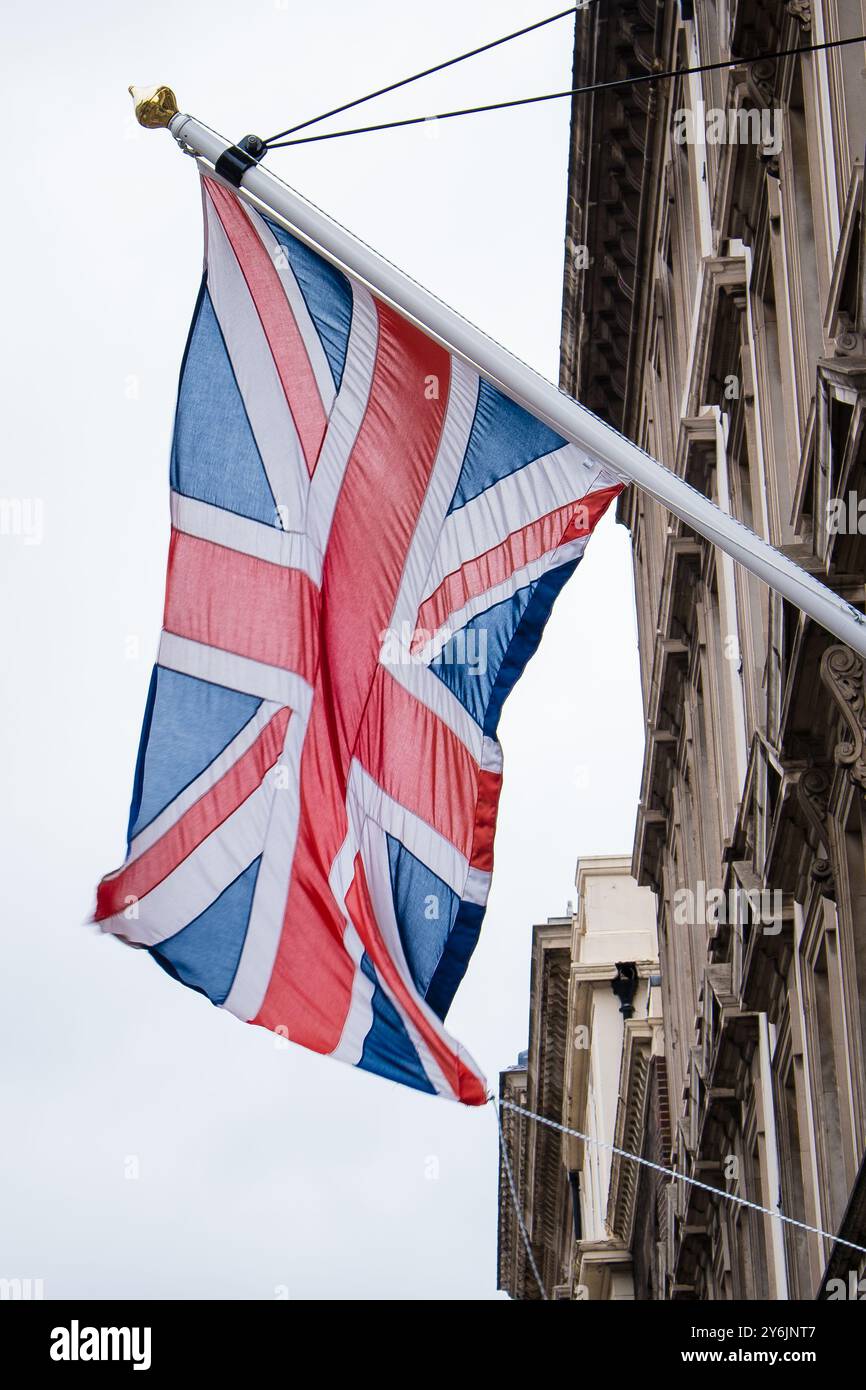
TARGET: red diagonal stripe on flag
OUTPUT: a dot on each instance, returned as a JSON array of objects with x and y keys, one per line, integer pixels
[
  {"x": 519, "y": 549},
  {"x": 281, "y": 330},
  {"x": 194, "y": 826},
  {"x": 466, "y": 1086},
  {"x": 431, "y": 771}
]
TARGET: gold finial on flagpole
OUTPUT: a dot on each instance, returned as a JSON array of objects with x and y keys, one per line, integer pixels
[{"x": 154, "y": 106}]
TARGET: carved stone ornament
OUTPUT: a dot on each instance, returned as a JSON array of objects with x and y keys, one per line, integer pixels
[
  {"x": 770, "y": 162},
  {"x": 801, "y": 10},
  {"x": 842, "y": 673},
  {"x": 813, "y": 790},
  {"x": 759, "y": 81},
  {"x": 848, "y": 342}
]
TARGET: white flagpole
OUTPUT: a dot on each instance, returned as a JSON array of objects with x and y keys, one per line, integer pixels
[{"x": 525, "y": 386}]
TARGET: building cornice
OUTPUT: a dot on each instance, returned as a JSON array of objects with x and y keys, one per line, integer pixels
[{"x": 607, "y": 199}]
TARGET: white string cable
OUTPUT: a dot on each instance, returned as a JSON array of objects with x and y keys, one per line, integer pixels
[
  {"x": 503, "y": 1149},
  {"x": 681, "y": 1177}
]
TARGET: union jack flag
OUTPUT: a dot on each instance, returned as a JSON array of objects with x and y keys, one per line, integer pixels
[{"x": 367, "y": 540}]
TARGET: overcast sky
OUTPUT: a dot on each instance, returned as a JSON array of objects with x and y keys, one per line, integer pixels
[{"x": 262, "y": 1170}]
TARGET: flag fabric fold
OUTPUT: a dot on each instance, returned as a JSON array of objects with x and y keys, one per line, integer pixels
[{"x": 367, "y": 541}]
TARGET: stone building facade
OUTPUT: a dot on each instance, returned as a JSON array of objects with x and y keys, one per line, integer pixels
[
  {"x": 595, "y": 1063},
  {"x": 715, "y": 312}
]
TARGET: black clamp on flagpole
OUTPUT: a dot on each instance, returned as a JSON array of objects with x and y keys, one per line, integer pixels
[{"x": 234, "y": 162}]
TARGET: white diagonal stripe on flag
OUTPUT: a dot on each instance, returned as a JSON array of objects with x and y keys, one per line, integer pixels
[
  {"x": 200, "y": 878},
  {"x": 291, "y": 549},
  {"x": 235, "y": 672},
  {"x": 272, "y": 884},
  {"x": 195, "y": 789},
  {"x": 345, "y": 419},
  {"x": 480, "y": 603},
  {"x": 551, "y": 482},
  {"x": 257, "y": 377},
  {"x": 462, "y": 398},
  {"x": 298, "y": 305},
  {"x": 421, "y": 840}
]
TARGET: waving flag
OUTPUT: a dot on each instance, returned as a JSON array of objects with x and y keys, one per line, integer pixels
[{"x": 367, "y": 539}]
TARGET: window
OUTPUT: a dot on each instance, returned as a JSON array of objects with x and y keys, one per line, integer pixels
[
  {"x": 710, "y": 19},
  {"x": 852, "y": 912},
  {"x": 791, "y": 1165},
  {"x": 847, "y": 90},
  {"x": 684, "y": 242},
  {"x": 722, "y": 660},
  {"x": 705, "y": 780},
  {"x": 824, "y": 1018},
  {"x": 781, "y": 424},
  {"x": 799, "y": 293},
  {"x": 751, "y": 594},
  {"x": 750, "y": 1237}
]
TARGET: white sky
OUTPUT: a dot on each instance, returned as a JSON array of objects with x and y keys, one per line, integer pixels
[{"x": 260, "y": 1168}]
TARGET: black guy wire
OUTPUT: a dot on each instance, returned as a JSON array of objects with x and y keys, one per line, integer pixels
[
  {"x": 393, "y": 86},
  {"x": 572, "y": 92}
]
